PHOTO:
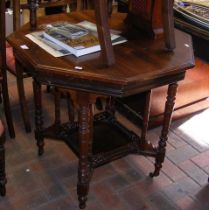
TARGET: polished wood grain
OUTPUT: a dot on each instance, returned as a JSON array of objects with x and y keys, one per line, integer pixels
[
  {"x": 140, "y": 65},
  {"x": 132, "y": 58}
]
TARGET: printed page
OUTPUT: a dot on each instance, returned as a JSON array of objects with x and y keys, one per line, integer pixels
[{"x": 46, "y": 44}]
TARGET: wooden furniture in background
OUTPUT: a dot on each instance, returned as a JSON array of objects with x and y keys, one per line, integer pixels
[
  {"x": 155, "y": 18},
  {"x": 3, "y": 179},
  {"x": 91, "y": 137},
  {"x": 159, "y": 18},
  {"x": 4, "y": 92},
  {"x": 15, "y": 68},
  {"x": 3, "y": 74},
  {"x": 193, "y": 91}
]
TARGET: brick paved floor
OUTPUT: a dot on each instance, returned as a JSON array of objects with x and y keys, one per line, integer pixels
[{"x": 49, "y": 182}]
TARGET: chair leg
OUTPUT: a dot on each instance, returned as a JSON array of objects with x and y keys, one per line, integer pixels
[
  {"x": 168, "y": 24},
  {"x": 71, "y": 108},
  {"x": 22, "y": 99},
  {"x": 38, "y": 117},
  {"x": 7, "y": 108},
  {"x": 103, "y": 32},
  {"x": 1, "y": 95},
  {"x": 3, "y": 179},
  {"x": 57, "y": 106},
  {"x": 48, "y": 88}
]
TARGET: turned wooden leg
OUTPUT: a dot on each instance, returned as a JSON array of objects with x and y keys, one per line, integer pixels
[
  {"x": 70, "y": 108},
  {"x": 110, "y": 105},
  {"x": 3, "y": 179},
  {"x": 57, "y": 106},
  {"x": 48, "y": 88},
  {"x": 145, "y": 121},
  {"x": 33, "y": 5},
  {"x": 38, "y": 117},
  {"x": 7, "y": 106},
  {"x": 101, "y": 12},
  {"x": 171, "y": 96},
  {"x": 85, "y": 143},
  {"x": 22, "y": 99}
]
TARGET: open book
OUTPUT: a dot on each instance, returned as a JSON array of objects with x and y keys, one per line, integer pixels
[{"x": 79, "y": 39}]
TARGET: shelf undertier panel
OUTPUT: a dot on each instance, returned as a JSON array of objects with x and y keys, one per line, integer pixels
[{"x": 111, "y": 140}]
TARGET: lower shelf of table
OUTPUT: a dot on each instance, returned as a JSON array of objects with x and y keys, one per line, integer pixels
[{"x": 111, "y": 140}]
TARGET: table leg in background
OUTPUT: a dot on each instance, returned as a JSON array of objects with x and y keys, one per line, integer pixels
[{"x": 170, "y": 102}]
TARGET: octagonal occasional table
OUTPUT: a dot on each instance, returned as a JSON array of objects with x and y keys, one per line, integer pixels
[{"x": 140, "y": 66}]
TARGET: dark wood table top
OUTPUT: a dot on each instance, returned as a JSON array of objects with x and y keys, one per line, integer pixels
[{"x": 141, "y": 64}]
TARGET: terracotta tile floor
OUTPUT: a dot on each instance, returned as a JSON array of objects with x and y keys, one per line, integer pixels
[{"x": 49, "y": 182}]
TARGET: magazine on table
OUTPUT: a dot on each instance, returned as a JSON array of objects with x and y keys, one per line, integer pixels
[
  {"x": 46, "y": 44},
  {"x": 57, "y": 50},
  {"x": 80, "y": 39}
]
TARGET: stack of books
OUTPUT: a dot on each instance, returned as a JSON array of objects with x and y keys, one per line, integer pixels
[{"x": 63, "y": 38}]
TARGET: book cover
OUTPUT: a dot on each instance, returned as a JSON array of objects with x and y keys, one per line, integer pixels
[
  {"x": 71, "y": 31},
  {"x": 46, "y": 44},
  {"x": 80, "y": 39}
]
